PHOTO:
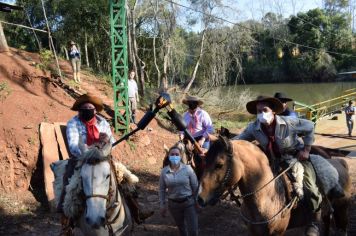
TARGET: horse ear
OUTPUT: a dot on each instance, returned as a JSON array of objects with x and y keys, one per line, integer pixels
[
  {"x": 107, "y": 149},
  {"x": 212, "y": 138},
  {"x": 226, "y": 142},
  {"x": 82, "y": 146}
]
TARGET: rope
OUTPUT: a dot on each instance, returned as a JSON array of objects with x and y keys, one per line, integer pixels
[
  {"x": 290, "y": 204},
  {"x": 259, "y": 189}
]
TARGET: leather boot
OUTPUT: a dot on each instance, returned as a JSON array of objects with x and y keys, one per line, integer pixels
[{"x": 313, "y": 228}]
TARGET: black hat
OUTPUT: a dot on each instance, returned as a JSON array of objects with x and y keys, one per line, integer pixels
[
  {"x": 274, "y": 104},
  {"x": 282, "y": 97}
]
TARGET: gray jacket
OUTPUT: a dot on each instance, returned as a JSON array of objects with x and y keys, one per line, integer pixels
[{"x": 288, "y": 130}]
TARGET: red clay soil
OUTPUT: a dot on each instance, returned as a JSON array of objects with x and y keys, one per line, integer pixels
[{"x": 29, "y": 96}]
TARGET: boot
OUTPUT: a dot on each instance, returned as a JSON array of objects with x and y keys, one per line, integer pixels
[
  {"x": 78, "y": 77},
  {"x": 313, "y": 228}
]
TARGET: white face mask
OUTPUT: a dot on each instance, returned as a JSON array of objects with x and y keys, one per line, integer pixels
[{"x": 265, "y": 117}]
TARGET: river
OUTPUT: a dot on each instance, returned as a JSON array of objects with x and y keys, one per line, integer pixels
[{"x": 308, "y": 93}]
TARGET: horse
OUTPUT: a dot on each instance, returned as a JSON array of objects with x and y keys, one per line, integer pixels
[
  {"x": 266, "y": 206},
  {"x": 106, "y": 212}
]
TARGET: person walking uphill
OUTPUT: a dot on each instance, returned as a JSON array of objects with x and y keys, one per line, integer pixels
[
  {"x": 133, "y": 96},
  {"x": 74, "y": 56},
  {"x": 350, "y": 116},
  {"x": 178, "y": 183}
]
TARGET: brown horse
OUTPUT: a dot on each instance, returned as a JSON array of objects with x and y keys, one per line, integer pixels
[{"x": 265, "y": 207}]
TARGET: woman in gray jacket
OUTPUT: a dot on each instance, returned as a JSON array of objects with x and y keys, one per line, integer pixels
[{"x": 178, "y": 183}]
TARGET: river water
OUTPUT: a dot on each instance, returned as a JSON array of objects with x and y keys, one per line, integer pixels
[{"x": 308, "y": 93}]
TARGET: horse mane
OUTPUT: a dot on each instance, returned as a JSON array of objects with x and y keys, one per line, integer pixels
[
  {"x": 94, "y": 154},
  {"x": 220, "y": 146}
]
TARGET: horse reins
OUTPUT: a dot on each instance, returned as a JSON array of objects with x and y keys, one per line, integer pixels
[{"x": 237, "y": 198}]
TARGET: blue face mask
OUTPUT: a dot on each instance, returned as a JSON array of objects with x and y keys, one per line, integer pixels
[{"x": 174, "y": 160}]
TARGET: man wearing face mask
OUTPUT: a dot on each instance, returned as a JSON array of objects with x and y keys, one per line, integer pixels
[
  {"x": 88, "y": 128},
  {"x": 198, "y": 121},
  {"x": 278, "y": 137}
]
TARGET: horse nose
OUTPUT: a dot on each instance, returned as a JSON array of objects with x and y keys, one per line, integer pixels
[{"x": 201, "y": 202}]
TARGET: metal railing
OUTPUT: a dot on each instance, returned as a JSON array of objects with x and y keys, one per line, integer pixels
[{"x": 321, "y": 109}]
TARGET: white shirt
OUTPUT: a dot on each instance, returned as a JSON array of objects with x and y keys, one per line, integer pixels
[{"x": 132, "y": 86}]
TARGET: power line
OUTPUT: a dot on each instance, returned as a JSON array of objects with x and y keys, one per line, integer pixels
[{"x": 242, "y": 26}]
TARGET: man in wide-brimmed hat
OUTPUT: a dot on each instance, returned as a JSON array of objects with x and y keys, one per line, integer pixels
[
  {"x": 278, "y": 137},
  {"x": 88, "y": 128},
  {"x": 284, "y": 100},
  {"x": 74, "y": 56},
  {"x": 198, "y": 121}
]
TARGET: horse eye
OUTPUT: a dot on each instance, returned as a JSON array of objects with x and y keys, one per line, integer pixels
[
  {"x": 218, "y": 166},
  {"x": 107, "y": 176}
]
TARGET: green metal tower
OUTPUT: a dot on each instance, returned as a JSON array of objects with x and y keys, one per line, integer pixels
[{"x": 119, "y": 64}]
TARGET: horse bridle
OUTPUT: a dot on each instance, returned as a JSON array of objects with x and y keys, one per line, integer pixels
[
  {"x": 230, "y": 191},
  {"x": 108, "y": 198}
]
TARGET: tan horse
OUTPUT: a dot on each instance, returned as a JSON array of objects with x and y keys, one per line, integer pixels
[{"x": 243, "y": 164}]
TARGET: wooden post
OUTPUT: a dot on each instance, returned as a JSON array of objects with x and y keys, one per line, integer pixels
[{"x": 3, "y": 42}]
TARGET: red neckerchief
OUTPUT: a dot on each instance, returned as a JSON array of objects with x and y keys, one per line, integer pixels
[
  {"x": 193, "y": 122},
  {"x": 92, "y": 131},
  {"x": 272, "y": 147}
]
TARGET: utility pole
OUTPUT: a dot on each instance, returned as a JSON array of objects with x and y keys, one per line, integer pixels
[{"x": 119, "y": 64}]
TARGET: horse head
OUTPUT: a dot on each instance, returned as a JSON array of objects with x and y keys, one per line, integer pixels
[
  {"x": 96, "y": 180},
  {"x": 219, "y": 171}
]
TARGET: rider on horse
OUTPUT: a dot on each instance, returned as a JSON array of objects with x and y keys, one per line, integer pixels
[
  {"x": 278, "y": 137},
  {"x": 91, "y": 129}
]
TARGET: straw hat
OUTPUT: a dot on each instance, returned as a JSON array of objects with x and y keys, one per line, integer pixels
[
  {"x": 188, "y": 99},
  {"x": 274, "y": 104},
  {"x": 88, "y": 98},
  {"x": 282, "y": 97}
]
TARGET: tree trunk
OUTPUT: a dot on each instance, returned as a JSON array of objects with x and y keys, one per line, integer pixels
[
  {"x": 66, "y": 52},
  {"x": 166, "y": 56},
  {"x": 86, "y": 49},
  {"x": 3, "y": 42},
  {"x": 197, "y": 64},
  {"x": 154, "y": 45}
]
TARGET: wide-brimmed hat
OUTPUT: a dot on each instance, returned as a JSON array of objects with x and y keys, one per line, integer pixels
[
  {"x": 88, "y": 98},
  {"x": 282, "y": 97},
  {"x": 274, "y": 104},
  {"x": 72, "y": 43},
  {"x": 189, "y": 99}
]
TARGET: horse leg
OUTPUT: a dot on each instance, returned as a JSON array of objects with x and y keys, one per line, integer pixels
[{"x": 341, "y": 213}]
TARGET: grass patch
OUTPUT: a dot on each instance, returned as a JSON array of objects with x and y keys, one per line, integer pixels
[{"x": 5, "y": 91}]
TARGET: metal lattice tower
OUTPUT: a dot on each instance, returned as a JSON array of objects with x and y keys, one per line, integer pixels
[{"x": 119, "y": 64}]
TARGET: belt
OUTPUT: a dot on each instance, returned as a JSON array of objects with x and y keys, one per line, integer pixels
[{"x": 180, "y": 200}]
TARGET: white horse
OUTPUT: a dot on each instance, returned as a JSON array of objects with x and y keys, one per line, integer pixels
[{"x": 106, "y": 212}]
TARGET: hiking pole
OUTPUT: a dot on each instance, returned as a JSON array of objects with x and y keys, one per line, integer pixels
[{"x": 162, "y": 101}]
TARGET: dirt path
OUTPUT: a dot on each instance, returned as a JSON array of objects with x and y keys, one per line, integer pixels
[{"x": 22, "y": 209}]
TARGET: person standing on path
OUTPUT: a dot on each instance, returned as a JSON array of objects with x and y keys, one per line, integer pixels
[
  {"x": 350, "y": 116},
  {"x": 74, "y": 56},
  {"x": 178, "y": 183},
  {"x": 133, "y": 96}
]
